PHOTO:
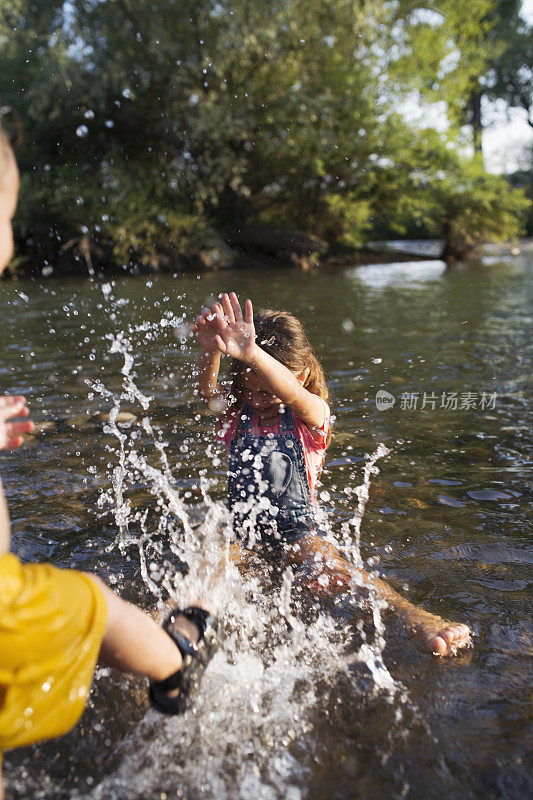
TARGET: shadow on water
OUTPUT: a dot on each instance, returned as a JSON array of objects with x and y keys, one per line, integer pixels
[{"x": 286, "y": 709}]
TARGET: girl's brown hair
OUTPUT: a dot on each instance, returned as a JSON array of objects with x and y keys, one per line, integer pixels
[{"x": 282, "y": 336}]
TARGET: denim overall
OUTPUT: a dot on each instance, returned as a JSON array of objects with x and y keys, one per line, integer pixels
[{"x": 268, "y": 488}]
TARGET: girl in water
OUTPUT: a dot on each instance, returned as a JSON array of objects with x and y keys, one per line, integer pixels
[{"x": 275, "y": 423}]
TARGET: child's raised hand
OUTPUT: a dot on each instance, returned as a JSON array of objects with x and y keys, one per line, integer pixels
[
  {"x": 11, "y": 432},
  {"x": 206, "y": 327},
  {"x": 236, "y": 335}
]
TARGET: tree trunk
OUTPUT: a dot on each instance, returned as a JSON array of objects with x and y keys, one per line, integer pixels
[
  {"x": 457, "y": 247},
  {"x": 477, "y": 125}
]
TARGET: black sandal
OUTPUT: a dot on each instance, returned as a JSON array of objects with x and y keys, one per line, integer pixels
[{"x": 195, "y": 658}]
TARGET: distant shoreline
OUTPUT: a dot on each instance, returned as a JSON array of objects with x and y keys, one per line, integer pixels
[{"x": 376, "y": 253}]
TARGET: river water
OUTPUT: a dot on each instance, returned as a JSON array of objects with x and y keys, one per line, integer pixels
[{"x": 314, "y": 703}]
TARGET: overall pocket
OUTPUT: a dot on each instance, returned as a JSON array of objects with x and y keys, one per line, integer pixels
[{"x": 278, "y": 472}]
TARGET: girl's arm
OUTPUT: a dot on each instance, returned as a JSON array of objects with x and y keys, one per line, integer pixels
[
  {"x": 205, "y": 375},
  {"x": 288, "y": 387},
  {"x": 207, "y": 365},
  {"x": 236, "y": 338}
]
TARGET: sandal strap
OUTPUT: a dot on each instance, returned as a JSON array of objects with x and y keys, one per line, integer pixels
[
  {"x": 203, "y": 620},
  {"x": 195, "y": 656},
  {"x": 162, "y": 701},
  {"x": 173, "y": 681}
]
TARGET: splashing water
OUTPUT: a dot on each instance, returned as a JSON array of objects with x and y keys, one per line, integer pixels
[{"x": 240, "y": 736}]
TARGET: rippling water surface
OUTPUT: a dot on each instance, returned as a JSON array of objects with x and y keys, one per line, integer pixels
[{"x": 296, "y": 704}]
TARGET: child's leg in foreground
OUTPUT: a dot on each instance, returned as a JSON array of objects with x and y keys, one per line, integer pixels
[{"x": 438, "y": 635}]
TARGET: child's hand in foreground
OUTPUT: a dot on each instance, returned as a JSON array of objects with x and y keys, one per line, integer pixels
[
  {"x": 11, "y": 432},
  {"x": 235, "y": 336}
]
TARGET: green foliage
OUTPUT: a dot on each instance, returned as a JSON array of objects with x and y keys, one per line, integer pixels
[
  {"x": 451, "y": 197},
  {"x": 511, "y": 74},
  {"x": 479, "y": 208},
  {"x": 149, "y": 134},
  {"x": 441, "y": 49},
  {"x": 459, "y": 52}
]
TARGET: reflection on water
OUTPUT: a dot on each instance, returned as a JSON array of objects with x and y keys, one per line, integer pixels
[
  {"x": 126, "y": 479},
  {"x": 408, "y": 273}
]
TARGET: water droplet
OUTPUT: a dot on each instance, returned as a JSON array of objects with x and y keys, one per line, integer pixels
[
  {"x": 89, "y": 114},
  {"x": 109, "y": 123},
  {"x": 217, "y": 406},
  {"x": 82, "y": 130}
]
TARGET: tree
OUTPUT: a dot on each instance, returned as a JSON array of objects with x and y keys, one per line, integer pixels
[
  {"x": 461, "y": 53},
  {"x": 151, "y": 138},
  {"x": 511, "y": 76},
  {"x": 443, "y": 50}
]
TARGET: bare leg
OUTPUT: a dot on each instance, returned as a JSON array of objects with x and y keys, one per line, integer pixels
[
  {"x": 439, "y": 636},
  {"x": 5, "y": 528},
  {"x": 245, "y": 561}
]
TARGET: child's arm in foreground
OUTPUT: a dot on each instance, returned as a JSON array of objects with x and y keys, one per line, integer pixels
[
  {"x": 235, "y": 337},
  {"x": 10, "y": 437},
  {"x": 126, "y": 624}
]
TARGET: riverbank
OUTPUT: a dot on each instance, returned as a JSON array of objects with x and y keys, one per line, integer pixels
[{"x": 299, "y": 252}]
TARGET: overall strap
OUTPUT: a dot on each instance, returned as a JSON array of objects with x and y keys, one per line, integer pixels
[
  {"x": 286, "y": 422},
  {"x": 244, "y": 422}
]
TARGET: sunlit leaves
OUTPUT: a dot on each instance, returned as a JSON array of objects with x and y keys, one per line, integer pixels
[{"x": 152, "y": 131}]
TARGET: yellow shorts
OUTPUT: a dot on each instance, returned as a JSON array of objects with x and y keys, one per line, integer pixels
[{"x": 51, "y": 626}]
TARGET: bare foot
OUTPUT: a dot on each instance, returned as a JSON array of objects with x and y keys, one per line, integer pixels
[
  {"x": 170, "y": 695},
  {"x": 438, "y": 635},
  {"x": 186, "y": 627}
]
